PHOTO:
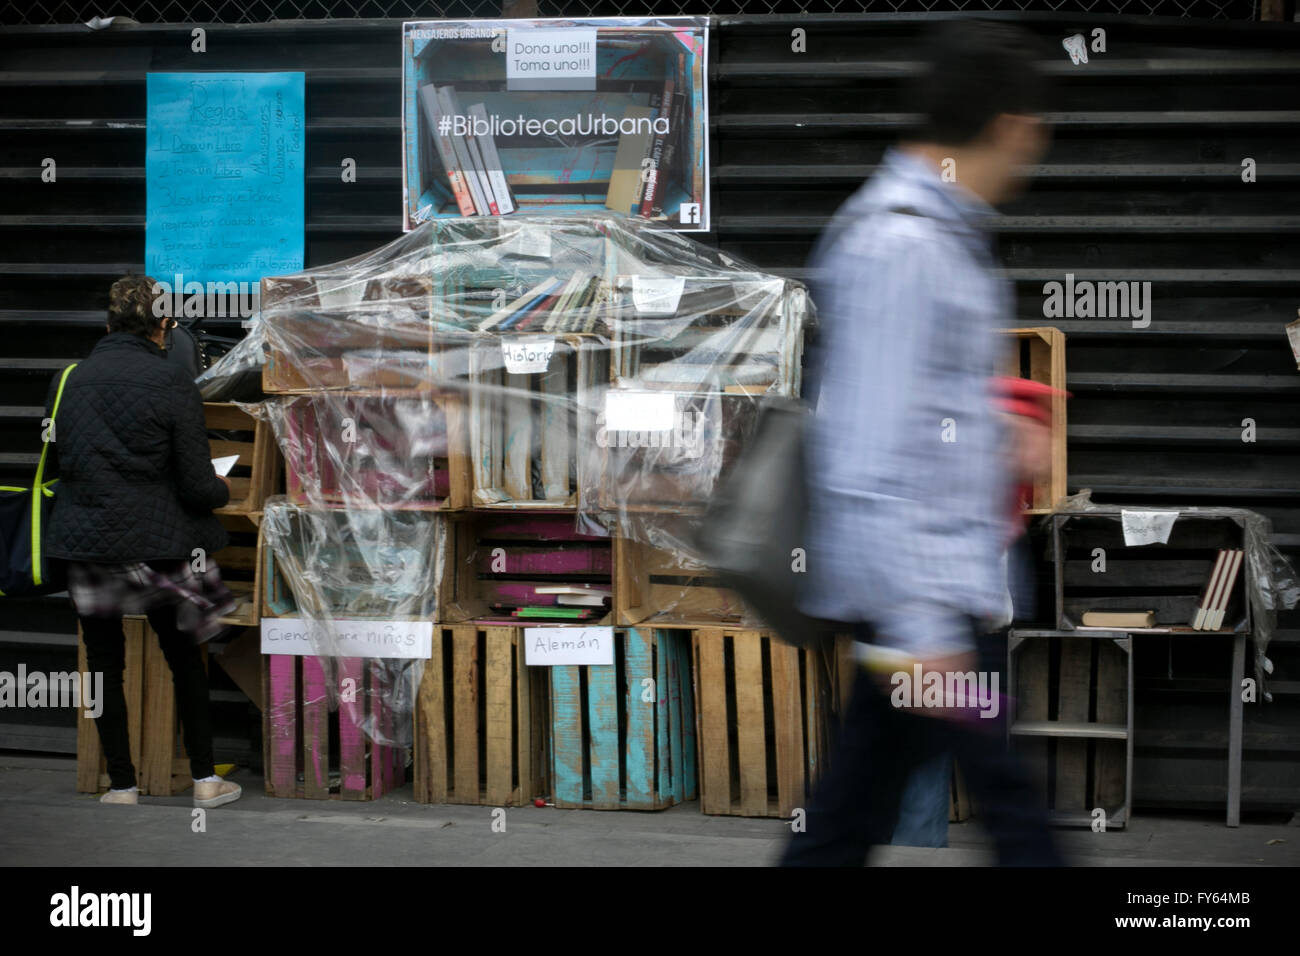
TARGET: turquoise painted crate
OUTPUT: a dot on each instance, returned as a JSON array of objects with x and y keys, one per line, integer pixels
[{"x": 623, "y": 735}]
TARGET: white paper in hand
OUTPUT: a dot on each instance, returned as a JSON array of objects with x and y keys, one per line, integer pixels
[{"x": 223, "y": 465}]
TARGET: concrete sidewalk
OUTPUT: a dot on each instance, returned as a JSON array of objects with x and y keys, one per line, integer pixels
[{"x": 45, "y": 822}]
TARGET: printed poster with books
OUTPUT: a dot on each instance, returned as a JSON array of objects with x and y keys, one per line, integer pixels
[{"x": 556, "y": 116}]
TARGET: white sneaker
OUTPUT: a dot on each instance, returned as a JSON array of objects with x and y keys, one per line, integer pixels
[
  {"x": 121, "y": 796},
  {"x": 215, "y": 794}
]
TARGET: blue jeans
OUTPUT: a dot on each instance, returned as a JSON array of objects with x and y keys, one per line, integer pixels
[{"x": 923, "y": 809}]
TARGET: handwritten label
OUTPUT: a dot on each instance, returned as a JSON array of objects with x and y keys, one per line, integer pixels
[
  {"x": 305, "y": 638},
  {"x": 523, "y": 356},
  {"x": 640, "y": 411},
  {"x": 550, "y": 58},
  {"x": 224, "y": 172},
  {"x": 1147, "y": 527},
  {"x": 657, "y": 295},
  {"x": 556, "y": 646}
]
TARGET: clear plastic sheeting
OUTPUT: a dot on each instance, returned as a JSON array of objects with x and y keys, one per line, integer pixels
[
  {"x": 1271, "y": 585},
  {"x": 603, "y": 369}
]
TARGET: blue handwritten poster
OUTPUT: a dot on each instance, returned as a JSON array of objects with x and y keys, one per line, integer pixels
[{"x": 224, "y": 168}]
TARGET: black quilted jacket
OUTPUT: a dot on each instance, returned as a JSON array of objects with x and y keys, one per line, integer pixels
[{"x": 131, "y": 454}]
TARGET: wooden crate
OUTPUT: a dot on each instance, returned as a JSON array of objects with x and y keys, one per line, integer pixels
[
  {"x": 1071, "y": 720},
  {"x": 479, "y": 720},
  {"x": 161, "y": 767},
  {"x": 1039, "y": 354},
  {"x": 744, "y": 332},
  {"x": 1167, "y": 578},
  {"x": 497, "y": 558},
  {"x": 844, "y": 671},
  {"x": 527, "y": 432},
  {"x": 377, "y": 450},
  {"x": 675, "y": 470},
  {"x": 354, "y": 586},
  {"x": 611, "y": 748},
  {"x": 233, "y": 431},
  {"x": 305, "y": 742},
  {"x": 241, "y": 567},
  {"x": 347, "y": 330},
  {"x": 763, "y": 716},
  {"x": 653, "y": 587}
]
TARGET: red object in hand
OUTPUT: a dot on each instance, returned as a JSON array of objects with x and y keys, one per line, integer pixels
[{"x": 539, "y": 802}]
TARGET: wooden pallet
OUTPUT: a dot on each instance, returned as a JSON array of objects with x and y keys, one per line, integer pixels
[
  {"x": 611, "y": 748},
  {"x": 257, "y": 473},
  {"x": 405, "y": 450},
  {"x": 1071, "y": 722},
  {"x": 479, "y": 720},
  {"x": 763, "y": 715},
  {"x": 496, "y": 558},
  {"x": 653, "y": 587},
  {"x": 304, "y": 741},
  {"x": 527, "y": 432},
  {"x": 1039, "y": 354},
  {"x": 161, "y": 767}
]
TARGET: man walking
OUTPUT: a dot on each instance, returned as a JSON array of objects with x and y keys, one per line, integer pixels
[{"x": 909, "y": 475}]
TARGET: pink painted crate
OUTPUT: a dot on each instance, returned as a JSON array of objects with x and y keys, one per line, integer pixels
[
  {"x": 496, "y": 560},
  {"x": 317, "y": 753}
]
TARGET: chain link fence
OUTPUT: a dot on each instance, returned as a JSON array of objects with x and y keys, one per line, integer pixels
[{"x": 40, "y": 12}]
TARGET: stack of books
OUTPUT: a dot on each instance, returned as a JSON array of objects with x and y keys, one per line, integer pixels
[
  {"x": 1218, "y": 590},
  {"x": 472, "y": 163},
  {"x": 572, "y": 603}
]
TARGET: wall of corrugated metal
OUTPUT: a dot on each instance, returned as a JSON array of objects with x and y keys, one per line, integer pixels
[{"x": 1144, "y": 183}]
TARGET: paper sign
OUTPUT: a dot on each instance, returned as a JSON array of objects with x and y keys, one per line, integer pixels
[
  {"x": 640, "y": 411},
  {"x": 524, "y": 356},
  {"x": 223, "y": 465},
  {"x": 549, "y": 58},
  {"x": 1147, "y": 527},
  {"x": 657, "y": 295},
  {"x": 224, "y": 176},
  {"x": 555, "y": 646},
  {"x": 294, "y": 635}
]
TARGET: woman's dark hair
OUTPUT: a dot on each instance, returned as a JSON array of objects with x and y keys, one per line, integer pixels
[
  {"x": 130, "y": 306},
  {"x": 975, "y": 70}
]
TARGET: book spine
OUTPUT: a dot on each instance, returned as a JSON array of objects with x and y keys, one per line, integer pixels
[
  {"x": 1230, "y": 579},
  {"x": 446, "y": 152},
  {"x": 655, "y": 102},
  {"x": 1207, "y": 597},
  {"x": 492, "y": 160},
  {"x": 675, "y": 134},
  {"x": 477, "y": 158},
  {"x": 447, "y": 100},
  {"x": 657, "y": 150}
]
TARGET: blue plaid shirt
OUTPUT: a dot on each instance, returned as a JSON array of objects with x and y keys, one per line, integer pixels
[{"x": 909, "y": 482}]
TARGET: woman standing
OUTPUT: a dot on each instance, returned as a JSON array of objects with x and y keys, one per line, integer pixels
[{"x": 133, "y": 519}]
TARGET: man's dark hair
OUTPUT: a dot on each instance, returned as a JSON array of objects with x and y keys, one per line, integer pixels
[
  {"x": 130, "y": 306},
  {"x": 973, "y": 71}
]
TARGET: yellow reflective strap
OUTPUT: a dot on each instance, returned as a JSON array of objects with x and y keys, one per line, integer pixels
[{"x": 40, "y": 488}]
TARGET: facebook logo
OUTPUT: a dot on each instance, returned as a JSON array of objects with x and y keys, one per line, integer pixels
[{"x": 690, "y": 213}]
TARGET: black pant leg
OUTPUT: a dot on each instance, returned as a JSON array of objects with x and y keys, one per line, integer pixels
[
  {"x": 191, "y": 682},
  {"x": 106, "y": 654},
  {"x": 855, "y": 803}
]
